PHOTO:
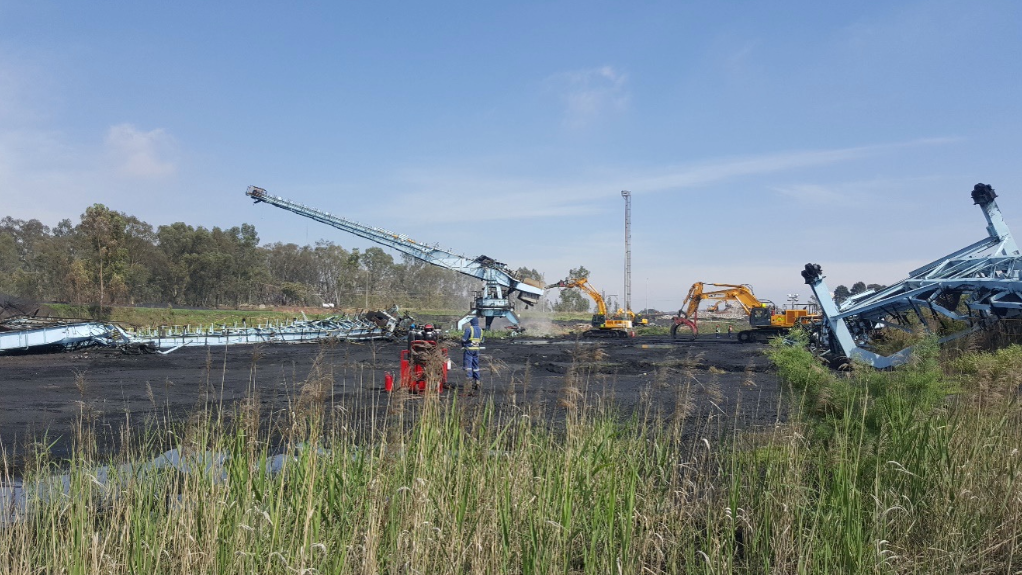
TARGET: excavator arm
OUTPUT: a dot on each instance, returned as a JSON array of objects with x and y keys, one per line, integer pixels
[
  {"x": 603, "y": 326},
  {"x": 690, "y": 307},
  {"x": 731, "y": 292},
  {"x": 688, "y": 315},
  {"x": 583, "y": 284}
]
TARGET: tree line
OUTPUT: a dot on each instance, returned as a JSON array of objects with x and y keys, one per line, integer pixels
[
  {"x": 843, "y": 292},
  {"x": 112, "y": 258}
]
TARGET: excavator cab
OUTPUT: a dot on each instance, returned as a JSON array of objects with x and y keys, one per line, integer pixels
[
  {"x": 760, "y": 317},
  {"x": 599, "y": 320}
]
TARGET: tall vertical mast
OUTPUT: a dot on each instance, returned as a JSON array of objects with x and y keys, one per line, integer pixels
[{"x": 628, "y": 248}]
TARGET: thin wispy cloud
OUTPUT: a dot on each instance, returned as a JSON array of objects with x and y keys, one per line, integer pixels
[
  {"x": 435, "y": 190},
  {"x": 714, "y": 171},
  {"x": 811, "y": 193},
  {"x": 8, "y": 94},
  {"x": 453, "y": 196},
  {"x": 30, "y": 96},
  {"x": 38, "y": 172},
  {"x": 849, "y": 192},
  {"x": 42, "y": 171},
  {"x": 139, "y": 154},
  {"x": 590, "y": 94}
]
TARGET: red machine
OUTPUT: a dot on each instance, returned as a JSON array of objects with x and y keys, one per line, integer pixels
[{"x": 424, "y": 366}]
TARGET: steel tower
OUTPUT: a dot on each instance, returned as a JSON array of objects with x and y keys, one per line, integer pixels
[{"x": 628, "y": 248}]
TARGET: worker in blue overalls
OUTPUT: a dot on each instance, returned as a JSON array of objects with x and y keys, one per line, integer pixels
[{"x": 472, "y": 341}]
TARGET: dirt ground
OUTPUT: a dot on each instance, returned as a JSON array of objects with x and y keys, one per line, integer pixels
[{"x": 708, "y": 379}]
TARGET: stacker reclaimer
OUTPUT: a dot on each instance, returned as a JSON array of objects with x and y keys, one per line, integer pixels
[{"x": 500, "y": 282}]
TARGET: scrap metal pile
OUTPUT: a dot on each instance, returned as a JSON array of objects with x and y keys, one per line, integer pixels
[{"x": 33, "y": 335}]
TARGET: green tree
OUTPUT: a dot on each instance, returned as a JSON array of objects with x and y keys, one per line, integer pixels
[
  {"x": 379, "y": 271},
  {"x": 10, "y": 263},
  {"x": 328, "y": 263},
  {"x": 24, "y": 275},
  {"x": 174, "y": 242},
  {"x": 54, "y": 259},
  {"x": 527, "y": 273},
  {"x": 103, "y": 230},
  {"x": 841, "y": 293},
  {"x": 294, "y": 293},
  {"x": 573, "y": 300}
]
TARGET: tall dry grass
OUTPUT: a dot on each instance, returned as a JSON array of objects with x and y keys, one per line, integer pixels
[{"x": 880, "y": 473}]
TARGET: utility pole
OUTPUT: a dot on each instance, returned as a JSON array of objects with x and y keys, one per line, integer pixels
[{"x": 628, "y": 248}]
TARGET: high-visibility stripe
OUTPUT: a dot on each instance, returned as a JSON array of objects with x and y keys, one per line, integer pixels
[{"x": 475, "y": 338}]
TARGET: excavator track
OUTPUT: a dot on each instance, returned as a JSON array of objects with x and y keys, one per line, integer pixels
[{"x": 605, "y": 334}]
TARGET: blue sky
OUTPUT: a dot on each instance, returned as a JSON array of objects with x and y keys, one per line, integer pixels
[{"x": 754, "y": 136}]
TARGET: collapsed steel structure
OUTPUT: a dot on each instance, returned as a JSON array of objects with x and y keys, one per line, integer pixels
[
  {"x": 38, "y": 335},
  {"x": 977, "y": 286},
  {"x": 30, "y": 335}
]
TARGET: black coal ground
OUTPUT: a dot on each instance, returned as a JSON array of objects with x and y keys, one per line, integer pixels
[{"x": 707, "y": 380}]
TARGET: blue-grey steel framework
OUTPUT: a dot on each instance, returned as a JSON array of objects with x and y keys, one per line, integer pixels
[
  {"x": 501, "y": 283},
  {"x": 982, "y": 280}
]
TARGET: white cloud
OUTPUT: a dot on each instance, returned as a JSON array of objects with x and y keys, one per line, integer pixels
[
  {"x": 139, "y": 154},
  {"x": 50, "y": 171},
  {"x": 46, "y": 174},
  {"x": 588, "y": 95}
]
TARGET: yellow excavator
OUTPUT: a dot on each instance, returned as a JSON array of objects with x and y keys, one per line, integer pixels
[
  {"x": 764, "y": 319},
  {"x": 619, "y": 326}
]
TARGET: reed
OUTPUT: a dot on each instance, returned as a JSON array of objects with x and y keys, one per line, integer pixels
[{"x": 896, "y": 472}]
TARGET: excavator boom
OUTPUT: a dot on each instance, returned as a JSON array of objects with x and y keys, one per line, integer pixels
[
  {"x": 583, "y": 284},
  {"x": 761, "y": 314},
  {"x": 604, "y": 326},
  {"x": 742, "y": 294}
]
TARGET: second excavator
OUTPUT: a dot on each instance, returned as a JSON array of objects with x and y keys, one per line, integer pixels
[
  {"x": 619, "y": 325},
  {"x": 764, "y": 319}
]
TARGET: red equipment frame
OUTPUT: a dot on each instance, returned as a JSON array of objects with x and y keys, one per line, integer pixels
[{"x": 413, "y": 374}]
